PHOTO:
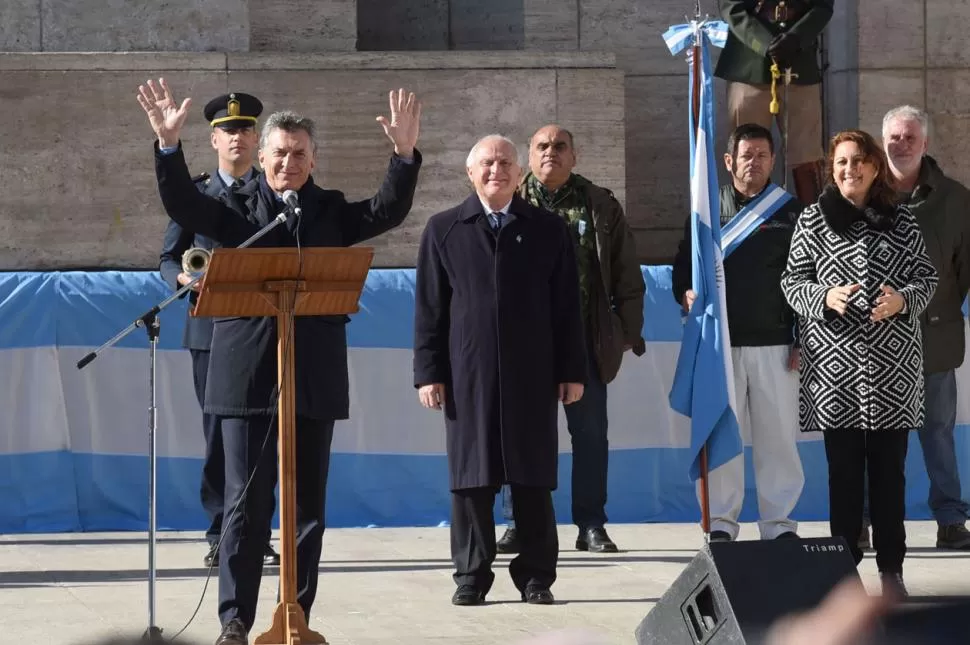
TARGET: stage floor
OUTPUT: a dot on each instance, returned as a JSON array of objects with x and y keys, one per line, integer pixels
[{"x": 377, "y": 586}]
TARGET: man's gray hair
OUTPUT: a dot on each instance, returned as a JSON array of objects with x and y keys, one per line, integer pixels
[
  {"x": 288, "y": 122},
  {"x": 907, "y": 113},
  {"x": 489, "y": 138}
]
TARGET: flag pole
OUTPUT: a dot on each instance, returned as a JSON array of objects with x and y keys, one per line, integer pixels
[{"x": 696, "y": 109}]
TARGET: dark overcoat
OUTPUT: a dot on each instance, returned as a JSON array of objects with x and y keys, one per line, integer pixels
[
  {"x": 497, "y": 320},
  {"x": 242, "y": 367},
  {"x": 198, "y": 329}
]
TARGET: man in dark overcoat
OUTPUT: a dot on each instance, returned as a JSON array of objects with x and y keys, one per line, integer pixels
[
  {"x": 242, "y": 377},
  {"x": 233, "y": 119},
  {"x": 498, "y": 344}
]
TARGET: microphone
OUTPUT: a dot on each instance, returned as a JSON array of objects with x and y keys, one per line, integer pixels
[{"x": 291, "y": 199}]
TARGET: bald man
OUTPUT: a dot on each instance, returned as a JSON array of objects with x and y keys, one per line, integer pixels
[
  {"x": 498, "y": 345},
  {"x": 612, "y": 292}
]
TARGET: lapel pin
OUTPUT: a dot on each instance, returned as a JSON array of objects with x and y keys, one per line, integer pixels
[{"x": 518, "y": 238}]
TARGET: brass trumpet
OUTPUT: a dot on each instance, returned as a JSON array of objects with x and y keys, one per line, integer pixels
[{"x": 195, "y": 261}]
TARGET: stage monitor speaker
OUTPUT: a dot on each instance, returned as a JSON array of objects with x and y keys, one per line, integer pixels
[{"x": 731, "y": 592}]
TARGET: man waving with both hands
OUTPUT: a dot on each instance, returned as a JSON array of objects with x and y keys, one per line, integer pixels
[{"x": 242, "y": 378}]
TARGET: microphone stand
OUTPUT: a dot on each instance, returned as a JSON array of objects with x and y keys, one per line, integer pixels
[{"x": 149, "y": 320}]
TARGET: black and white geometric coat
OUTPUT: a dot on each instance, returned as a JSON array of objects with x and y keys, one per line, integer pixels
[{"x": 856, "y": 373}]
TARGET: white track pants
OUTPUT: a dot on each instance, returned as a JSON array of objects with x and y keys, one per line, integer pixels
[{"x": 767, "y": 400}]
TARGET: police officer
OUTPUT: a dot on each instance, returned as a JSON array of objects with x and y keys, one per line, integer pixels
[
  {"x": 763, "y": 32},
  {"x": 234, "y": 138}
]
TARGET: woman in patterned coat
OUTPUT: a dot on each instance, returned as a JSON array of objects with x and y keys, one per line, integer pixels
[{"x": 858, "y": 277}]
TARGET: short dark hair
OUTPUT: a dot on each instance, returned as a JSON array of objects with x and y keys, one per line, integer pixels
[{"x": 748, "y": 132}]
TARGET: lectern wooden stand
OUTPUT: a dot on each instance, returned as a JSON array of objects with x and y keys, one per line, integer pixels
[{"x": 285, "y": 282}]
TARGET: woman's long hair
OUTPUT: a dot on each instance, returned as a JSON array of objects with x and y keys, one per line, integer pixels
[{"x": 882, "y": 196}]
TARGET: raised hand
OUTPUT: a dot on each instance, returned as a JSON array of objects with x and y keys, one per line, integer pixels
[
  {"x": 403, "y": 127},
  {"x": 164, "y": 112}
]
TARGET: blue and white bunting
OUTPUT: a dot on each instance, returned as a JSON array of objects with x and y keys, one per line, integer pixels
[{"x": 679, "y": 37}]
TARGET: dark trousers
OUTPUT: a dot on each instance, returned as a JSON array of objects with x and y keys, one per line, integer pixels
[
  {"x": 588, "y": 424},
  {"x": 881, "y": 455},
  {"x": 473, "y": 537},
  {"x": 214, "y": 463},
  {"x": 251, "y": 451}
]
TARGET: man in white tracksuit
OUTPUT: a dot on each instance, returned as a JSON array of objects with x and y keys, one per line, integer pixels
[{"x": 757, "y": 222}]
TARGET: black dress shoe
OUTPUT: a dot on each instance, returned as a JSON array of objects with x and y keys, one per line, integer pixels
[
  {"x": 271, "y": 558},
  {"x": 595, "y": 540},
  {"x": 234, "y": 633},
  {"x": 467, "y": 595},
  {"x": 788, "y": 535},
  {"x": 509, "y": 542},
  {"x": 538, "y": 596},
  {"x": 720, "y": 536},
  {"x": 211, "y": 558}
]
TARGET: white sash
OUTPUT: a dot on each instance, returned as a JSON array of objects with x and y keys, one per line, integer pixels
[{"x": 753, "y": 215}]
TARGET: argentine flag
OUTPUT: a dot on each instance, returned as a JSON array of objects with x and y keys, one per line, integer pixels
[{"x": 703, "y": 387}]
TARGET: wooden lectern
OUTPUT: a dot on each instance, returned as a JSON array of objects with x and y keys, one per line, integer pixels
[{"x": 285, "y": 282}]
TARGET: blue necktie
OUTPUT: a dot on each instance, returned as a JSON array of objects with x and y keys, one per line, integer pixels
[{"x": 496, "y": 220}]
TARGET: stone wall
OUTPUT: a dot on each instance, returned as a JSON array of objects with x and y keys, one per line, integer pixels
[
  {"x": 79, "y": 177},
  {"x": 879, "y": 53},
  {"x": 656, "y": 164},
  {"x": 885, "y": 53}
]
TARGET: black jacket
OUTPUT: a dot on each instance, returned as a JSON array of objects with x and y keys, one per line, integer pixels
[
  {"x": 941, "y": 206},
  {"x": 242, "y": 367},
  {"x": 758, "y": 314},
  {"x": 497, "y": 320},
  {"x": 751, "y": 27}
]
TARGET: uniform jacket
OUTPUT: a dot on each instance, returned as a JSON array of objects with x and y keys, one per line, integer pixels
[
  {"x": 856, "y": 373},
  {"x": 198, "y": 331},
  {"x": 497, "y": 320},
  {"x": 758, "y": 314},
  {"x": 942, "y": 208},
  {"x": 242, "y": 367},
  {"x": 619, "y": 289},
  {"x": 751, "y": 27}
]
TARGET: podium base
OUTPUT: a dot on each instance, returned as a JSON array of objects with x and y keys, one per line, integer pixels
[{"x": 289, "y": 628}]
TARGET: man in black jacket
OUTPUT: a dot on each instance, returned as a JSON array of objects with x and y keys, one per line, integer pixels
[
  {"x": 242, "y": 379},
  {"x": 761, "y": 326},
  {"x": 786, "y": 32},
  {"x": 234, "y": 138},
  {"x": 941, "y": 206}
]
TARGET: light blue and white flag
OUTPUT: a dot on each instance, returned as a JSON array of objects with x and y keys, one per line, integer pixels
[{"x": 703, "y": 387}]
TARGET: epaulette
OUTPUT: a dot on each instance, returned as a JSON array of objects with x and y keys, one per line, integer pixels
[{"x": 202, "y": 177}]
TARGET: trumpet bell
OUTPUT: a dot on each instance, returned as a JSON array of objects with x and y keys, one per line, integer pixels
[{"x": 195, "y": 261}]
